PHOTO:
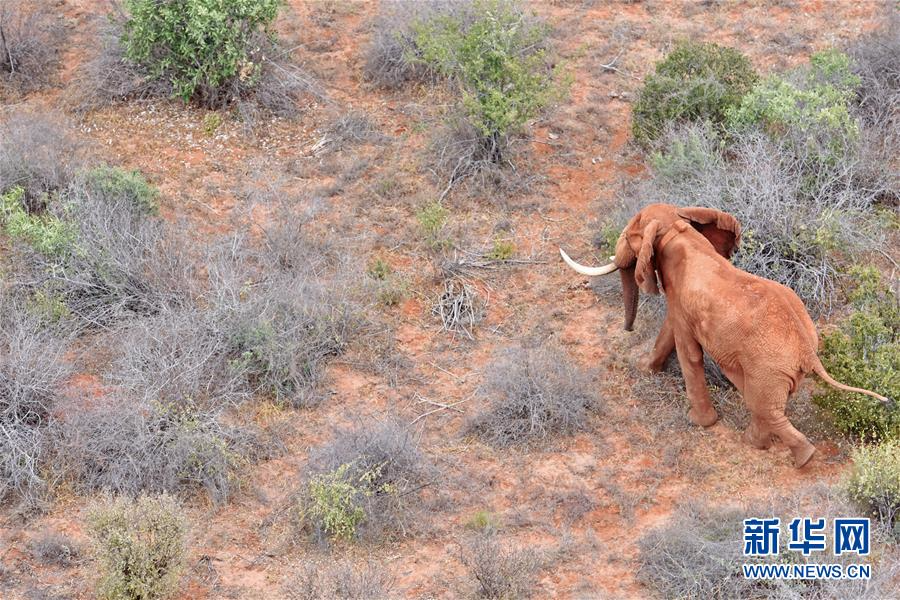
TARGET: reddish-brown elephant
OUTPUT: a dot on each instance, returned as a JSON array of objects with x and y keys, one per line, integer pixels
[{"x": 757, "y": 330}]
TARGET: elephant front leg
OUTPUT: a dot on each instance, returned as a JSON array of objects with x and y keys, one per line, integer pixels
[
  {"x": 690, "y": 357},
  {"x": 665, "y": 343}
]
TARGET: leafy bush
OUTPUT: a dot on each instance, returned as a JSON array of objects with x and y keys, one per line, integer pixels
[
  {"x": 32, "y": 369},
  {"x": 30, "y": 36},
  {"x": 498, "y": 58},
  {"x": 500, "y": 571},
  {"x": 873, "y": 482},
  {"x": 115, "y": 184},
  {"x": 334, "y": 499},
  {"x": 363, "y": 483},
  {"x": 140, "y": 547},
  {"x": 339, "y": 579},
  {"x": 210, "y": 52},
  {"x": 812, "y": 110},
  {"x": 533, "y": 394},
  {"x": 865, "y": 352},
  {"x": 45, "y": 233},
  {"x": 203, "y": 48},
  {"x": 694, "y": 82}
]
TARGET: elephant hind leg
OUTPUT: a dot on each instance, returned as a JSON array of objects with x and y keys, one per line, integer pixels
[
  {"x": 757, "y": 434},
  {"x": 768, "y": 407}
]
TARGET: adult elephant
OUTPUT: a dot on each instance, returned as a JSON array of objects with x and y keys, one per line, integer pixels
[{"x": 757, "y": 330}]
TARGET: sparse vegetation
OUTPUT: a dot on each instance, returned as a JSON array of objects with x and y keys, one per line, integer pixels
[
  {"x": 873, "y": 483},
  {"x": 533, "y": 395},
  {"x": 342, "y": 579},
  {"x": 696, "y": 81},
  {"x": 363, "y": 483},
  {"x": 139, "y": 546},
  {"x": 865, "y": 352}
]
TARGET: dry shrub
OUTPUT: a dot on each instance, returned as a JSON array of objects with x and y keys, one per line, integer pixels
[
  {"x": 40, "y": 153},
  {"x": 341, "y": 579},
  {"x": 124, "y": 261},
  {"x": 32, "y": 369},
  {"x": 126, "y": 446},
  {"x": 53, "y": 548},
  {"x": 462, "y": 158},
  {"x": 369, "y": 477},
  {"x": 534, "y": 394},
  {"x": 458, "y": 307},
  {"x": 352, "y": 128},
  {"x": 875, "y": 58},
  {"x": 30, "y": 37},
  {"x": 500, "y": 570}
]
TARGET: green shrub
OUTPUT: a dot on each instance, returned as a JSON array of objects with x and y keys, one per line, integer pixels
[
  {"x": 813, "y": 106},
  {"x": 873, "y": 482},
  {"x": 117, "y": 184},
  {"x": 865, "y": 352},
  {"x": 502, "y": 250},
  {"x": 334, "y": 499},
  {"x": 694, "y": 82},
  {"x": 498, "y": 58},
  {"x": 139, "y": 546},
  {"x": 44, "y": 232},
  {"x": 432, "y": 217},
  {"x": 206, "y": 49}
]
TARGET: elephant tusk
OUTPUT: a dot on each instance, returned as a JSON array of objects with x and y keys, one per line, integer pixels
[{"x": 589, "y": 271}]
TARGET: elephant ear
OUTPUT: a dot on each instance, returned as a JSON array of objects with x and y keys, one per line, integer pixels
[
  {"x": 644, "y": 270},
  {"x": 721, "y": 229}
]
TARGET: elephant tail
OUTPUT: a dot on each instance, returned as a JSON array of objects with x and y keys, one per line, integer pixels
[{"x": 823, "y": 374}]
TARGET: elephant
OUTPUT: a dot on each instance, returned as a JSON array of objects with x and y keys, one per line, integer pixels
[{"x": 757, "y": 331}]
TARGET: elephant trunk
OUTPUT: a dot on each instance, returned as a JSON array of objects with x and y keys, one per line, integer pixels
[{"x": 630, "y": 296}]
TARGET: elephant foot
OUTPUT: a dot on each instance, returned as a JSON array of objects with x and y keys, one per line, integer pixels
[
  {"x": 756, "y": 439},
  {"x": 704, "y": 418},
  {"x": 647, "y": 365},
  {"x": 802, "y": 454}
]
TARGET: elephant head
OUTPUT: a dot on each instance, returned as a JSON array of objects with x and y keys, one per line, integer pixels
[{"x": 636, "y": 247}]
